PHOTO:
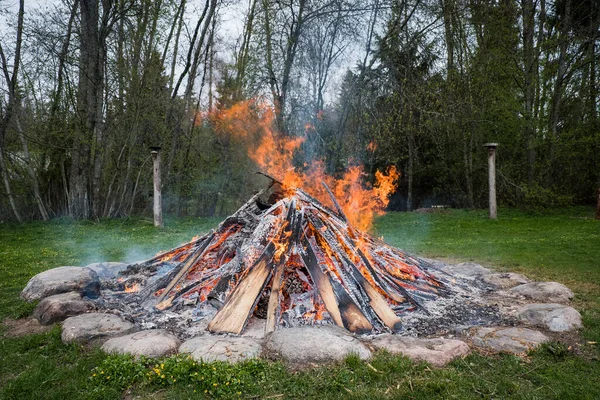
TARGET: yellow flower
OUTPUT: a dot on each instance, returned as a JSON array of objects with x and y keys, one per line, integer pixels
[
  {"x": 163, "y": 376},
  {"x": 215, "y": 384},
  {"x": 162, "y": 365},
  {"x": 93, "y": 374},
  {"x": 227, "y": 383}
]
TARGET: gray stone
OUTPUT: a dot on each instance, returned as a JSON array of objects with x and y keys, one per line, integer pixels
[
  {"x": 58, "y": 307},
  {"x": 94, "y": 328},
  {"x": 151, "y": 343},
  {"x": 221, "y": 348},
  {"x": 108, "y": 270},
  {"x": 437, "y": 351},
  {"x": 61, "y": 280},
  {"x": 555, "y": 317},
  {"x": 467, "y": 269},
  {"x": 314, "y": 344},
  {"x": 546, "y": 292},
  {"x": 504, "y": 280},
  {"x": 510, "y": 340}
]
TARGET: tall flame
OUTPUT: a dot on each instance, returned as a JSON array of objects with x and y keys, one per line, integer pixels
[{"x": 252, "y": 122}]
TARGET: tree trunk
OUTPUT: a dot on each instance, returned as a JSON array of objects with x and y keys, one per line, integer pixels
[
  {"x": 557, "y": 94},
  {"x": 11, "y": 106},
  {"x": 31, "y": 172},
  {"x": 411, "y": 169},
  {"x": 529, "y": 84},
  {"x": 7, "y": 187}
]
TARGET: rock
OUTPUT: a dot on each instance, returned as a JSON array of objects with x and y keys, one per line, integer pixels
[
  {"x": 555, "y": 317},
  {"x": 94, "y": 327},
  {"x": 61, "y": 280},
  {"x": 510, "y": 340},
  {"x": 58, "y": 307},
  {"x": 546, "y": 292},
  {"x": 107, "y": 270},
  {"x": 221, "y": 348},
  {"x": 468, "y": 269},
  {"x": 437, "y": 352},
  {"x": 504, "y": 280},
  {"x": 316, "y": 344},
  {"x": 152, "y": 343}
]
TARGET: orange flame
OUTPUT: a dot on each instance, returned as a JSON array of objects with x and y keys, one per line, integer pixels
[
  {"x": 132, "y": 288},
  {"x": 252, "y": 122}
]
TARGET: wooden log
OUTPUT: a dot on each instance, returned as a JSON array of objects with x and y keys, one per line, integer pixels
[
  {"x": 189, "y": 262},
  {"x": 323, "y": 286},
  {"x": 234, "y": 314},
  {"x": 339, "y": 304},
  {"x": 290, "y": 235},
  {"x": 341, "y": 213},
  {"x": 350, "y": 244},
  {"x": 373, "y": 297},
  {"x": 311, "y": 202},
  {"x": 219, "y": 293},
  {"x": 274, "y": 298},
  {"x": 136, "y": 268}
]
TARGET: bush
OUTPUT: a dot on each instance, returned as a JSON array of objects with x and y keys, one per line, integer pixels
[{"x": 536, "y": 196}]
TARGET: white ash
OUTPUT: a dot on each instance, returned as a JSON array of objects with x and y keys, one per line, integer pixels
[{"x": 467, "y": 304}]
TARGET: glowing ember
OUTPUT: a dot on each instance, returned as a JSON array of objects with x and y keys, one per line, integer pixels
[{"x": 132, "y": 288}]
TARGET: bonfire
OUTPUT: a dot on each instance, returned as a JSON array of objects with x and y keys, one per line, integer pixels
[
  {"x": 290, "y": 255},
  {"x": 293, "y": 261}
]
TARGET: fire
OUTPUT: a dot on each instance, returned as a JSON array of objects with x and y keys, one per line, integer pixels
[
  {"x": 132, "y": 288},
  {"x": 252, "y": 122}
]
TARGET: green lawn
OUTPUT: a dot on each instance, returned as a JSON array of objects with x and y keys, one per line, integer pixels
[{"x": 557, "y": 246}]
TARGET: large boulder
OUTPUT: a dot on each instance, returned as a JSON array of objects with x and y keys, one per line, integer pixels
[
  {"x": 58, "y": 307},
  {"x": 546, "y": 292},
  {"x": 151, "y": 343},
  {"x": 509, "y": 340},
  {"x": 221, "y": 348},
  {"x": 61, "y": 280},
  {"x": 94, "y": 328},
  {"x": 555, "y": 317},
  {"x": 437, "y": 351},
  {"x": 468, "y": 269},
  {"x": 504, "y": 280},
  {"x": 314, "y": 344}
]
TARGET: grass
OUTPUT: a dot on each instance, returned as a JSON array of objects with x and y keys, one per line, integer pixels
[{"x": 562, "y": 246}]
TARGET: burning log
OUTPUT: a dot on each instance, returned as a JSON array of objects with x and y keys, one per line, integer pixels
[{"x": 295, "y": 259}]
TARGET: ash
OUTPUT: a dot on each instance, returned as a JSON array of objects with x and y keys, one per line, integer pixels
[{"x": 465, "y": 305}]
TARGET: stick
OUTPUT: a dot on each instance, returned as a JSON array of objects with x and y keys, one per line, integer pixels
[
  {"x": 339, "y": 304},
  {"x": 274, "y": 298},
  {"x": 335, "y": 203},
  {"x": 234, "y": 314},
  {"x": 270, "y": 177},
  {"x": 191, "y": 260}
]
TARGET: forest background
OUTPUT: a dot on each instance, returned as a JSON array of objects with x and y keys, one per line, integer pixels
[{"x": 87, "y": 86}]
